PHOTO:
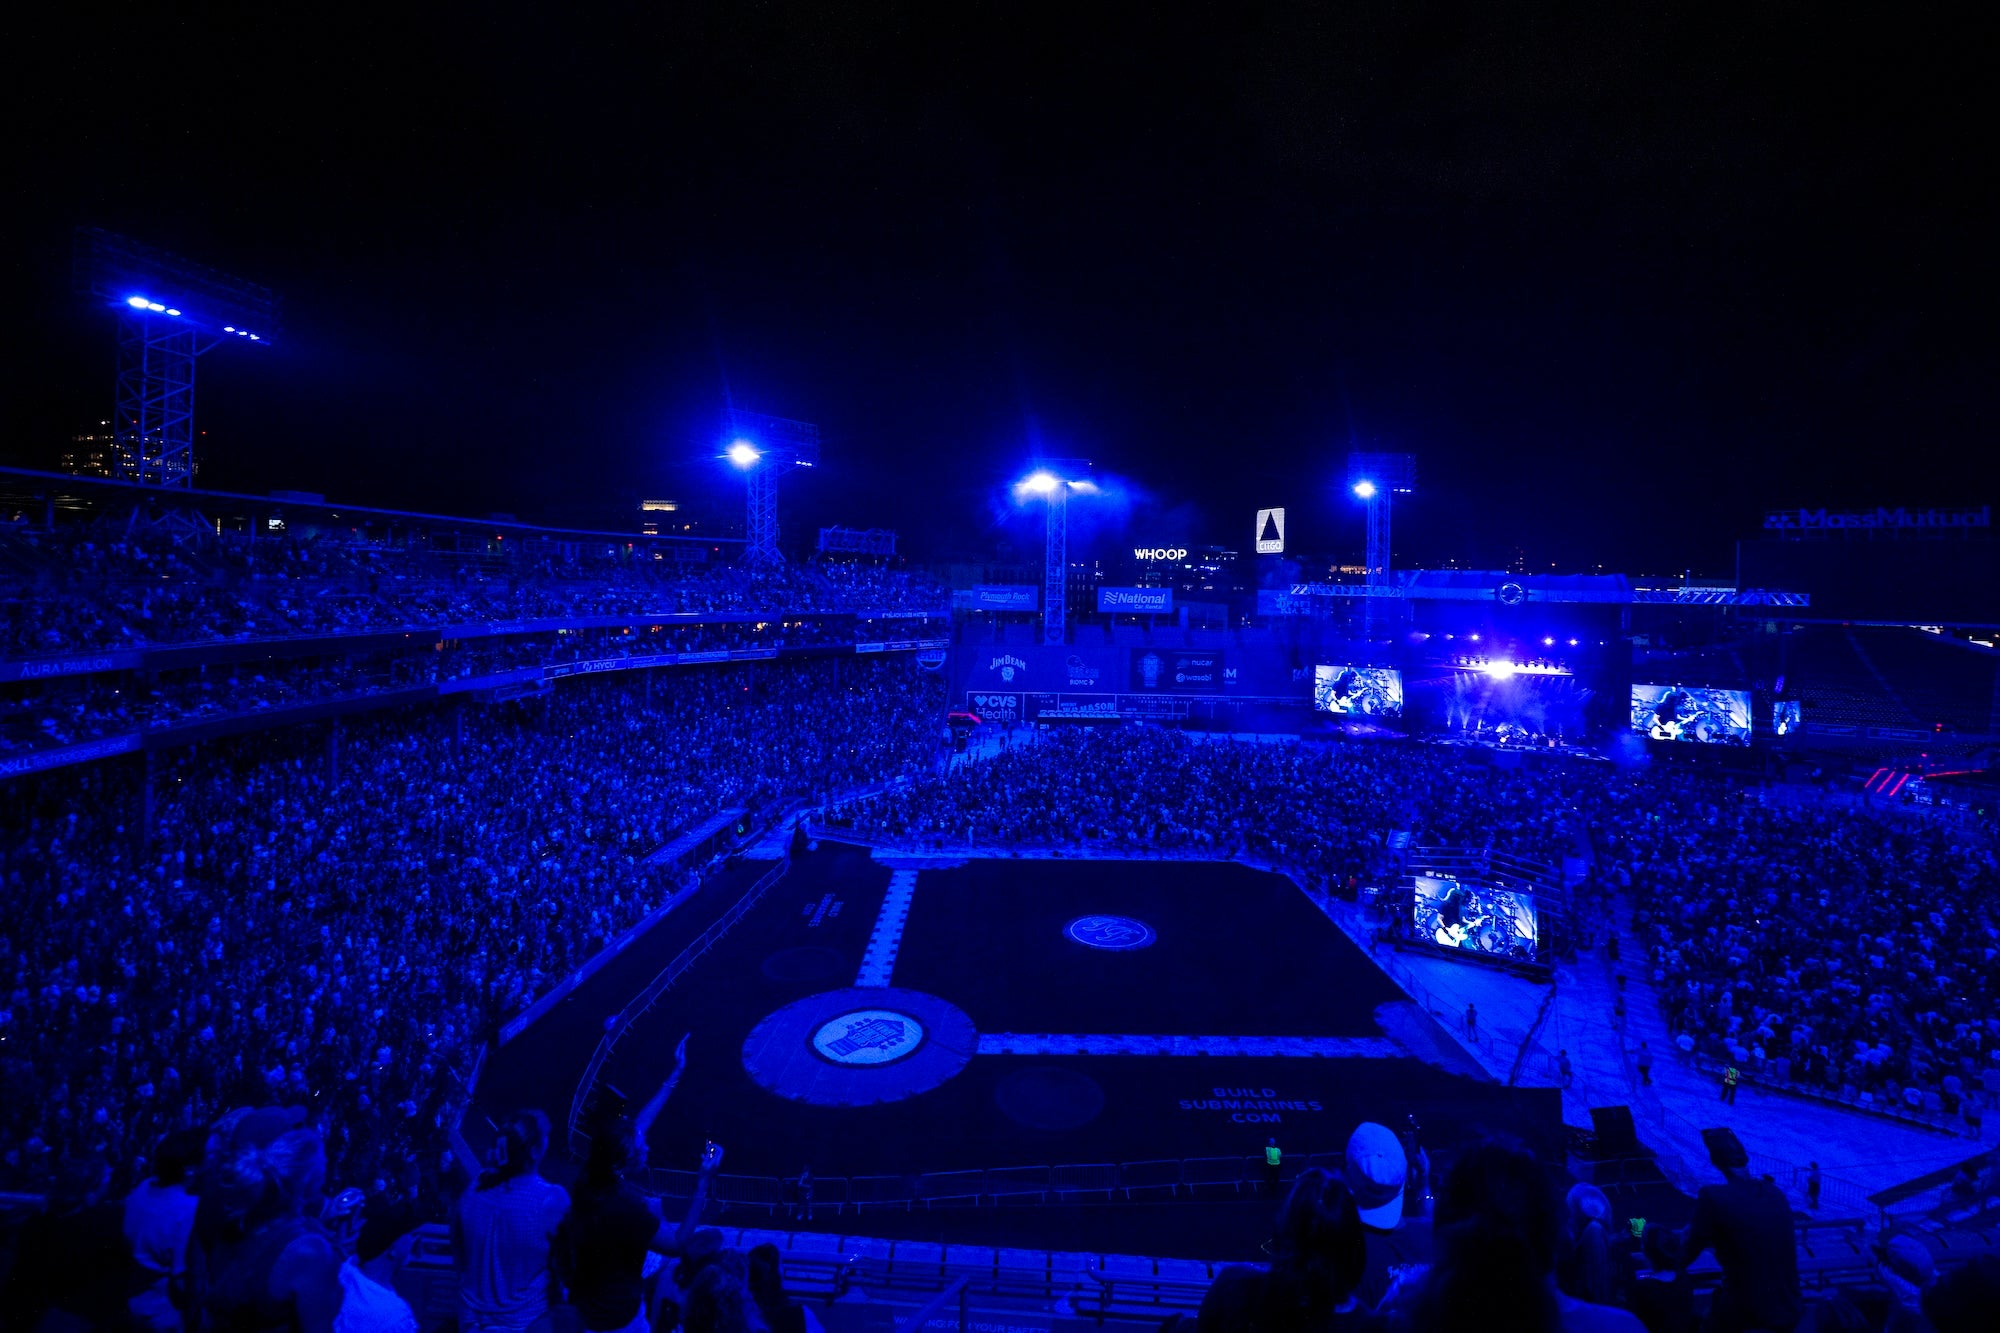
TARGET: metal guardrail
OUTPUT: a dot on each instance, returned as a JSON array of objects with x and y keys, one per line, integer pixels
[
  {"x": 1003, "y": 1186},
  {"x": 660, "y": 985}
]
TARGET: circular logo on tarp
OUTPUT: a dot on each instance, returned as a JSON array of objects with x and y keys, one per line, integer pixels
[
  {"x": 1110, "y": 932},
  {"x": 868, "y": 1037}
]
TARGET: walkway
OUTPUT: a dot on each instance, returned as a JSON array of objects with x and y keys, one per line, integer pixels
[{"x": 1858, "y": 1154}]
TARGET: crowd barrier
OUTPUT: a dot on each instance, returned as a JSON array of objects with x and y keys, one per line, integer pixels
[
  {"x": 1006, "y": 1186},
  {"x": 646, "y": 999}
]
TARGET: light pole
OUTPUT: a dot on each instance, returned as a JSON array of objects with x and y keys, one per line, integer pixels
[
  {"x": 761, "y": 448},
  {"x": 1052, "y": 481},
  {"x": 1376, "y": 479}
]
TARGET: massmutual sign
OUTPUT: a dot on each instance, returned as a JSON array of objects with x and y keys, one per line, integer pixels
[{"x": 1888, "y": 520}]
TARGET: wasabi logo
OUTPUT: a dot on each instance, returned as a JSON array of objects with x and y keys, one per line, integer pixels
[{"x": 1007, "y": 664}]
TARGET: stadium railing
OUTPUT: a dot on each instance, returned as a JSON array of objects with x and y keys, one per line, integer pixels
[
  {"x": 1059, "y": 1184},
  {"x": 646, "y": 999}
]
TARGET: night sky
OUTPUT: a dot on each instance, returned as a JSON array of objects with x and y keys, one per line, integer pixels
[{"x": 1620, "y": 281}]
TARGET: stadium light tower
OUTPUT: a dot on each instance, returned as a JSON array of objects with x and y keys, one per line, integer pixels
[
  {"x": 1053, "y": 481},
  {"x": 170, "y": 311},
  {"x": 1376, "y": 479},
  {"x": 763, "y": 448}
]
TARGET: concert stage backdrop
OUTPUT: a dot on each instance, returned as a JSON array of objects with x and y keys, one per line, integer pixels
[
  {"x": 1373, "y": 691},
  {"x": 1691, "y": 713},
  {"x": 1473, "y": 917}
]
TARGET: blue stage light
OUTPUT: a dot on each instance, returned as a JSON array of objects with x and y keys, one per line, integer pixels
[
  {"x": 1500, "y": 670},
  {"x": 1365, "y": 489}
]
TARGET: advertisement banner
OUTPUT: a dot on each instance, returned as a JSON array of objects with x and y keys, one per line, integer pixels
[
  {"x": 1003, "y": 597},
  {"x": 1270, "y": 532},
  {"x": 1136, "y": 601},
  {"x": 1178, "y": 671}
]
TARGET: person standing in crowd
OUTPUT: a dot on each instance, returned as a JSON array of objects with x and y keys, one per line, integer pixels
[
  {"x": 1564, "y": 1071},
  {"x": 1498, "y": 1228},
  {"x": 272, "y": 1269},
  {"x": 1471, "y": 1021},
  {"x": 1397, "y": 1246},
  {"x": 502, "y": 1230},
  {"x": 1273, "y": 1166},
  {"x": 1588, "y": 1269},
  {"x": 1748, "y": 1224},
  {"x": 1317, "y": 1260},
  {"x": 1645, "y": 1060},
  {"x": 1814, "y": 1182},
  {"x": 1729, "y": 1077},
  {"x": 602, "y": 1245},
  {"x": 159, "y": 1218},
  {"x": 781, "y": 1313}
]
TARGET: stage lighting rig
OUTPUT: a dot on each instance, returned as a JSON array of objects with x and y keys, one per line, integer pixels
[
  {"x": 763, "y": 448},
  {"x": 170, "y": 311}
]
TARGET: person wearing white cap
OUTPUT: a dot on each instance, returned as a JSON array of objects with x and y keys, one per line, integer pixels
[{"x": 1399, "y": 1247}]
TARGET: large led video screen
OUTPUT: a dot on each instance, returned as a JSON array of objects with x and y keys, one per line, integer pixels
[
  {"x": 1496, "y": 922},
  {"x": 1374, "y": 691},
  {"x": 1786, "y": 717},
  {"x": 1691, "y": 713}
]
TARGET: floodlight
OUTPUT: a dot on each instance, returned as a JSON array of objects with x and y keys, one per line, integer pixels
[
  {"x": 1499, "y": 670},
  {"x": 136, "y": 302},
  {"x": 173, "y": 312},
  {"x": 744, "y": 454},
  {"x": 1040, "y": 483},
  {"x": 1365, "y": 489}
]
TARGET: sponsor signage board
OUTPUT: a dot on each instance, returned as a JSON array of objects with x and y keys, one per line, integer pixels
[
  {"x": 1178, "y": 671},
  {"x": 1270, "y": 532},
  {"x": 1159, "y": 553},
  {"x": 1830, "y": 520},
  {"x": 1005, "y": 597},
  {"x": 1136, "y": 601}
]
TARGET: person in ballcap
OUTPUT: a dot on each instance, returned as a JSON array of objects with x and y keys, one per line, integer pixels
[{"x": 1398, "y": 1243}]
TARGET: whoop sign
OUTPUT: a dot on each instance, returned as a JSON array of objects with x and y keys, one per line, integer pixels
[{"x": 1159, "y": 553}]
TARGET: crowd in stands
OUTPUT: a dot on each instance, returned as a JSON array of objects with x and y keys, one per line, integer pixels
[
  {"x": 1505, "y": 1247},
  {"x": 67, "y": 710},
  {"x": 79, "y": 588},
  {"x": 343, "y": 929},
  {"x": 1831, "y": 948}
]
